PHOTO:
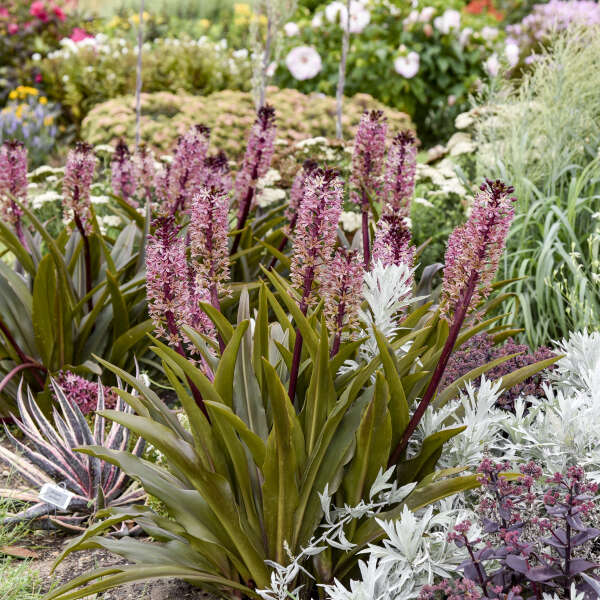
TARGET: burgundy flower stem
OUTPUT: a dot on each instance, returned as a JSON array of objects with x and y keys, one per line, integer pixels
[
  {"x": 438, "y": 373},
  {"x": 88, "y": 260},
  {"x": 214, "y": 300},
  {"x": 477, "y": 564},
  {"x": 245, "y": 206},
  {"x": 365, "y": 231},
  {"x": 20, "y": 236},
  {"x": 337, "y": 340},
  {"x": 284, "y": 241},
  {"x": 24, "y": 358},
  {"x": 308, "y": 281},
  {"x": 172, "y": 327}
]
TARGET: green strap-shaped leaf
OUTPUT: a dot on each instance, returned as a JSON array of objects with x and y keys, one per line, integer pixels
[
  {"x": 223, "y": 326},
  {"x": 225, "y": 371},
  {"x": 12, "y": 243},
  {"x": 44, "y": 321},
  {"x": 523, "y": 373},
  {"x": 120, "y": 313},
  {"x": 128, "y": 340}
]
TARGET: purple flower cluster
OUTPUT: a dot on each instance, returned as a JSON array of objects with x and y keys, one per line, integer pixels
[
  {"x": 481, "y": 349},
  {"x": 84, "y": 393},
  {"x": 392, "y": 244},
  {"x": 316, "y": 229},
  {"x": 297, "y": 194},
  {"x": 555, "y": 15},
  {"x": 341, "y": 285},
  {"x": 536, "y": 537},
  {"x": 79, "y": 173},
  {"x": 399, "y": 179},
  {"x": 123, "y": 176},
  {"x": 475, "y": 248},
  {"x": 13, "y": 180},
  {"x": 144, "y": 173}
]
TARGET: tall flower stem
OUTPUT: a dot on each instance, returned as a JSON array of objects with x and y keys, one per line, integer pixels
[
  {"x": 138, "y": 75},
  {"x": 87, "y": 257},
  {"x": 309, "y": 276},
  {"x": 337, "y": 340},
  {"x": 342, "y": 75},
  {"x": 365, "y": 234}
]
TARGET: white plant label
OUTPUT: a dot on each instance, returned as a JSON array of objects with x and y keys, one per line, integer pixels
[{"x": 55, "y": 495}]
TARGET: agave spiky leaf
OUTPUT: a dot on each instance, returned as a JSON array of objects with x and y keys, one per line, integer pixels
[{"x": 51, "y": 456}]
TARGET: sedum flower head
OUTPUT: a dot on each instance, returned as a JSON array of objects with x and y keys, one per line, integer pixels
[
  {"x": 166, "y": 284},
  {"x": 399, "y": 179},
  {"x": 13, "y": 179},
  {"x": 122, "y": 170},
  {"x": 259, "y": 152},
  {"x": 316, "y": 230},
  {"x": 144, "y": 172},
  {"x": 367, "y": 159},
  {"x": 208, "y": 238},
  {"x": 79, "y": 172},
  {"x": 393, "y": 241},
  {"x": 341, "y": 285},
  {"x": 474, "y": 249}
]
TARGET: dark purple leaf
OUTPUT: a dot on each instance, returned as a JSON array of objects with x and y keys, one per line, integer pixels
[{"x": 579, "y": 565}]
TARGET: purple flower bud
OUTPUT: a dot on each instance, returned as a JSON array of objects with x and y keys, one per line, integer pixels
[
  {"x": 393, "y": 241},
  {"x": 123, "y": 178},
  {"x": 217, "y": 173},
  {"x": 79, "y": 173}
]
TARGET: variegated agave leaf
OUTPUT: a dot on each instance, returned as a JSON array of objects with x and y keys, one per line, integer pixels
[{"x": 51, "y": 456}]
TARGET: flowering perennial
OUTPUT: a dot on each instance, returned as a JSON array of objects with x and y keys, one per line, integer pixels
[
  {"x": 13, "y": 182},
  {"x": 392, "y": 244},
  {"x": 79, "y": 172},
  {"x": 123, "y": 177},
  {"x": 144, "y": 171},
  {"x": 84, "y": 393},
  {"x": 399, "y": 179},
  {"x": 474, "y": 249}
]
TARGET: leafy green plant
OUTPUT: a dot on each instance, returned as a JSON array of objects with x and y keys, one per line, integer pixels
[
  {"x": 51, "y": 322},
  {"x": 52, "y": 459}
]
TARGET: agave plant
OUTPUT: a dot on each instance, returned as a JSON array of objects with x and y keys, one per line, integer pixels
[{"x": 50, "y": 457}]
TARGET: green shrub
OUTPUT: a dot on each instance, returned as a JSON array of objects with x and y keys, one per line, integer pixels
[
  {"x": 81, "y": 75},
  {"x": 230, "y": 114}
]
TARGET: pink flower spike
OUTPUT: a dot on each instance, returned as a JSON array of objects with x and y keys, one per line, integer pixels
[
  {"x": 217, "y": 173},
  {"x": 367, "y": 160},
  {"x": 316, "y": 229},
  {"x": 475, "y": 248},
  {"x": 79, "y": 173},
  {"x": 187, "y": 168},
  {"x": 166, "y": 285},
  {"x": 392, "y": 244},
  {"x": 123, "y": 178},
  {"x": 84, "y": 393},
  {"x": 13, "y": 180},
  {"x": 208, "y": 240},
  {"x": 297, "y": 194},
  {"x": 144, "y": 171},
  {"x": 399, "y": 180},
  {"x": 342, "y": 284}
]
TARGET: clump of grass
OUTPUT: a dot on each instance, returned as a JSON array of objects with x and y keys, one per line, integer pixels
[{"x": 543, "y": 136}]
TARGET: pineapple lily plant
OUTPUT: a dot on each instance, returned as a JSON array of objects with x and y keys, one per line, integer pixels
[{"x": 312, "y": 390}]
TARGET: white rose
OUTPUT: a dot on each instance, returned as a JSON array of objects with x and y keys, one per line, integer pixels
[
  {"x": 407, "y": 66},
  {"x": 448, "y": 21},
  {"x": 291, "y": 29},
  {"x": 303, "y": 62}
]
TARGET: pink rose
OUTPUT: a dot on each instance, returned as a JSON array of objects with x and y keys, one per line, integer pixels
[
  {"x": 79, "y": 34},
  {"x": 59, "y": 13},
  {"x": 38, "y": 10},
  {"x": 13, "y": 28}
]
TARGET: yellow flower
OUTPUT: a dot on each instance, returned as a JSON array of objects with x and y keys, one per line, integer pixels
[
  {"x": 242, "y": 9},
  {"x": 48, "y": 121},
  {"x": 262, "y": 19},
  {"x": 205, "y": 23},
  {"x": 19, "y": 111},
  {"x": 43, "y": 100},
  {"x": 114, "y": 22},
  {"x": 13, "y": 95}
]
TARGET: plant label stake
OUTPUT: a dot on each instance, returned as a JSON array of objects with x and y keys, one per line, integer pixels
[{"x": 55, "y": 495}]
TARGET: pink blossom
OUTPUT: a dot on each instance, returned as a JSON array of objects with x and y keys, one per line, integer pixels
[
  {"x": 217, "y": 173},
  {"x": 13, "y": 180},
  {"x": 342, "y": 284},
  {"x": 78, "y": 34},
  {"x": 475, "y": 248},
  {"x": 208, "y": 240},
  {"x": 166, "y": 284},
  {"x": 38, "y": 10},
  {"x": 367, "y": 160},
  {"x": 79, "y": 172},
  {"x": 123, "y": 177},
  {"x": 84, "y": 393},
  {"x": 59, "y": 13},
  {"x": 399, "y": 179},
  {"x": 392, "y": 244},
  {"x": 12, "y": 28},
  {"x": 316, "y": 229},
  {"x": 144, "y": 172},
  {"x": 297, "y": 193}
]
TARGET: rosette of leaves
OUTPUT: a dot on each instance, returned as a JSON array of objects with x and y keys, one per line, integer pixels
[
  {"x": 49, "y": 321},
  {"x": 241, "y": 487},
  {"x": 49, "y": 456}
]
